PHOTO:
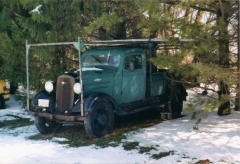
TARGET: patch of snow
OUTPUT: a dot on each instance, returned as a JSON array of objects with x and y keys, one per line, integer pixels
[
  {"x": 13, "y": 108},
  {"x": 36, "y": 10},
  {"x": 217, "y": 139},
  {"x": 59, "y": 139}
]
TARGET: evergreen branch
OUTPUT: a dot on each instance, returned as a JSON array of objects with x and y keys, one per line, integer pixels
[
  {"x": 170, "y": 2},
  {"x": 190, "y": 83},
  {"x": 205, "y": 95},
  {"x": 174, "y": 2},
  {"x": 203, "y": 9}
]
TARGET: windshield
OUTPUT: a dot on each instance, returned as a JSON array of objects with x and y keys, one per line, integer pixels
[{"x": 101, "y": 59}]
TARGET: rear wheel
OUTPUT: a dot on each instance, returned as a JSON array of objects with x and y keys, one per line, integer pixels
[
  {"x": 176, "y": 104},
  {"x": 46, "y": 126},
  {"x": 100, "y": 120}
]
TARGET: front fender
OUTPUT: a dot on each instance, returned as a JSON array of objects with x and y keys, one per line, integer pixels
[
  {"x": 45, "y": 95},
  {"x": 94, "y": 98}
]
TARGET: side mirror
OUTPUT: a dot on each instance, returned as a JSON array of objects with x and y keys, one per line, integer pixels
[{"x": 131, "y": 66}]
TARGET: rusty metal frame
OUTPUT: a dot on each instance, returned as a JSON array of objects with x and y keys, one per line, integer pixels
[{"x": 58, "y": 117}]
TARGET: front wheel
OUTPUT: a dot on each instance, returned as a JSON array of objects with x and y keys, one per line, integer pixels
[
  {"x": 176, "y": 105},
  {"x": 100, "y": 120},
  {"x": 46, "y": 126}
]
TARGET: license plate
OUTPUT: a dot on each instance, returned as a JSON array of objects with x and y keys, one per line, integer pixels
[{"x": 43, "y": 102}]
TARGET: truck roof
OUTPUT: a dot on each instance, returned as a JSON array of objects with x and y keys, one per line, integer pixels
[{"x": 139, "y": 41}]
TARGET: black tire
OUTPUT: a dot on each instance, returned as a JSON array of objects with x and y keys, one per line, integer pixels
[
  {"x": 46, "y": 126},
  {"x": 176, "y": 105},
  {"x": 100, "y": 120},
  {"x": 2, "y": 102}
]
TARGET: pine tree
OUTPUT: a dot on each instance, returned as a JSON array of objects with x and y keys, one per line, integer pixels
[
  {"x": 117, "y": 20},
  {"x": 212, "y": 24},
  {"x": 11, "y": 52},
  {"x": 213, "y": 60},
  {"x": 221, "y": 68},
  {"x": 211, "y": 51},
  {"x": 39, "y": 21}
]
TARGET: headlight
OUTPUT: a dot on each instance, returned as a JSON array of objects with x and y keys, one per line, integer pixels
[
  {"x": 49, "y": 86},
  {"x": 77, "y": 88}
]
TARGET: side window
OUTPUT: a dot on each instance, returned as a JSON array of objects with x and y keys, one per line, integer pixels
[{"x": 135, "y": 59}]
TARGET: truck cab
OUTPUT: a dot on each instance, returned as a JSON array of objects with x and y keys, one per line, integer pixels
[
  {"x": 120, "y": 72},
  {"x": 111, "y": 80}
]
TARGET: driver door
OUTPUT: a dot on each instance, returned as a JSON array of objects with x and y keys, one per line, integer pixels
[{"x": 134, "y": 78}]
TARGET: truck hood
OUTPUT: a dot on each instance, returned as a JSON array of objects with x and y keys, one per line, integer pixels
[
  {"x": 98, "y": 80},
  {"x": 94, "y": 72}
]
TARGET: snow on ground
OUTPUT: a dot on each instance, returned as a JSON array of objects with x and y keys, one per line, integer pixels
[{"x": 217, "y": 139}]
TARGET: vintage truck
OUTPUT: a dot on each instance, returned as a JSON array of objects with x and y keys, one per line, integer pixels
[{"x": 114, "y": 77}]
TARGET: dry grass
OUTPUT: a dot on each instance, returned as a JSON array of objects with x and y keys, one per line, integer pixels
[{"x": 77, "y": 136}]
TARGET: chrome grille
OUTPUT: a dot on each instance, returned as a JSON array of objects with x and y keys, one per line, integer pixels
[{"x": 65, "y": 93}]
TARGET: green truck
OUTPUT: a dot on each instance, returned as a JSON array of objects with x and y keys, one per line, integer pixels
[{"x": 114, "y": 77}]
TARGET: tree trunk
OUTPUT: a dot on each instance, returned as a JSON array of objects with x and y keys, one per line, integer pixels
[
  {"x": 237, "y": 101},
  {"x": 222, "y": 21}
]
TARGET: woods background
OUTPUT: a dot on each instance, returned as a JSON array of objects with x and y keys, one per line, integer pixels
[{"x": 213, "y": 24}]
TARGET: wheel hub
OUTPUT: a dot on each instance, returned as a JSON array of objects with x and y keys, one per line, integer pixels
[{"x": 102, "y": 119}]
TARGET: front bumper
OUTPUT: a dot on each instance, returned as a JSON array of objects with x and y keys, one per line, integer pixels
[{"x": 60, "y": 118}]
